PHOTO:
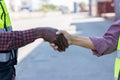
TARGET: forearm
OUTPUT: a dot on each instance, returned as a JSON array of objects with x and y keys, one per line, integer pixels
[
  {"x": 17, "y": 39},
  {"x": 82, "y": 41}
]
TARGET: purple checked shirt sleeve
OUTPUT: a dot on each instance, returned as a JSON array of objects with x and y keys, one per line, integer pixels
[
  {"x": 16, "y": 39},
  {"x": 107, "y": 43}
]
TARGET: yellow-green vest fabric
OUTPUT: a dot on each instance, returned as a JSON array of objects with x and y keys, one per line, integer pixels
[
  {"x": 5, "y": 25},
  {"x": 4, "y": 13},
  {"x": 117, "y": 63}
]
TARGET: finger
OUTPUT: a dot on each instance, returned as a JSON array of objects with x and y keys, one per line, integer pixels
[
  {"x": 64, "y": 41},
  {"x": 55, "y": 48},
  {"x": 61, "y": 42},
  {"x": 61, "y": 45},
  {"x": 57, "y": 44},
  {"x": 52, "y": 44},
  {"x": 60, "y": 31}
]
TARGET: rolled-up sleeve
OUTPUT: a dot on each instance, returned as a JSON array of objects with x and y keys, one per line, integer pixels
[{"x": 108, "y": 42}]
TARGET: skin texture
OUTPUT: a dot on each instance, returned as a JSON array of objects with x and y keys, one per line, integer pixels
[
  {"x": 75, "y": 40},
  {"x": 61, "y": 42},
  {"x": 49, "y": 34}
]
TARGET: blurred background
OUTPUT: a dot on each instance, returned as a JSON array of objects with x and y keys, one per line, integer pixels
[
  {"x": 94, "y": 7},
  {"x": 38, "y": 61}
]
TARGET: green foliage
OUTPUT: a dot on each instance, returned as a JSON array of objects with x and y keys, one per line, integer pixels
[{"x": 48, "y": 7}]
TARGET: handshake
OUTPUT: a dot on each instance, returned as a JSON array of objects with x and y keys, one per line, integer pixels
[{"x": 57, "y": 40}]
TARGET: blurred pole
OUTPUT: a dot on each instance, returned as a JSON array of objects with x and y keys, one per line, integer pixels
[
  {"x": 90, "y": 7},
  {"x": 117, "y": 9},
  {"x": 75, "y": 7}
]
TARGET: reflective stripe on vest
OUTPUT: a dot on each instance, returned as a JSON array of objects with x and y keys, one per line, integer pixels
[
  {"x": 5, "y": 25},
  {"x": 117, "y": 62}
]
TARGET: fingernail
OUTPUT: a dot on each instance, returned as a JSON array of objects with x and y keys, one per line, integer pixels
[{"x": 58, "y": 32}]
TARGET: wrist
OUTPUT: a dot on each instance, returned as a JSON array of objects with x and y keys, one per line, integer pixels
[
  {"x": 72, "y": 40},
  {"x": 38, "y": 32}
]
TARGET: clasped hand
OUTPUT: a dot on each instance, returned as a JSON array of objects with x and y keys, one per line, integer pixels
[{"x": 57, "y": 41}]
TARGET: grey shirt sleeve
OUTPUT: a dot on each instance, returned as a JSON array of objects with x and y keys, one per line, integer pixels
[{"x": 108, "y": 42}]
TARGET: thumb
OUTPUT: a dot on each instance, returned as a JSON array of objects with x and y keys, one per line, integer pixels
[{"x": 60, "y": 32}]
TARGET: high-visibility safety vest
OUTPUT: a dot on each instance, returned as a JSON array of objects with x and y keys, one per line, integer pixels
[
  {"x": 117, "y": 63},
  {"x": 5, "y": 25}
]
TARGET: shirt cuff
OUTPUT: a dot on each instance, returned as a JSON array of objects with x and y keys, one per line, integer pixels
[{"x": 98, "y": 43}]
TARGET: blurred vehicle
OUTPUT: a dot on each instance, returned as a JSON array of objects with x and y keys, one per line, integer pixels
[
  {"x": 64, "y": 9},
  {"x": 26, "y": 6}
]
